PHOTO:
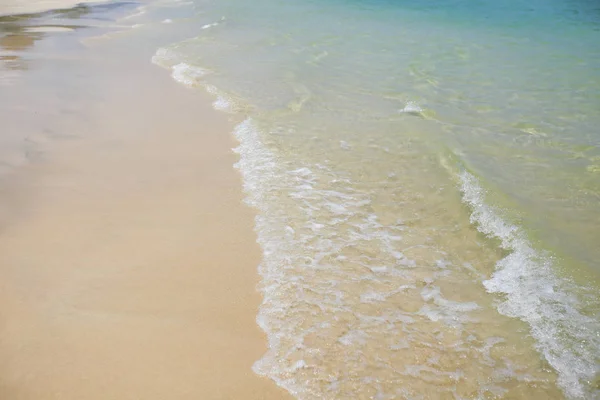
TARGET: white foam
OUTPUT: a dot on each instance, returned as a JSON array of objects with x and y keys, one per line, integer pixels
[
  {"x": 309, "y": 283},
  {"x": 187, "y": 74},
  {"x": 290, "y": 297},
  {"x": 192, "y": 76},
  {"x": 212, "y": 25},
  {"x": 568, "y": 339},
  {"x": 372, "y": 297},
  {"x": 223, "y": 102},
  {"x": 411, "y": 107},
  {"x": 300, "y": 364}
]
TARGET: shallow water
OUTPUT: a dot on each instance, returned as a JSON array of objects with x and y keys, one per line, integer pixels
[{"x": 427, "y": 182}]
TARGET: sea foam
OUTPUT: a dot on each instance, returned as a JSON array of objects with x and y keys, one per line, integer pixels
[
  {"x": 187, "y": 74},
  {"x": 568, "y": 339}
]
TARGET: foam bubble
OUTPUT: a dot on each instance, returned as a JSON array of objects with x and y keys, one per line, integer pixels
[
  {"x": 223, "y": 102},
  {"x": 192, "y": 76},
  {"x": 187, "y": 74},
  {"x": 412, "y": 107}
]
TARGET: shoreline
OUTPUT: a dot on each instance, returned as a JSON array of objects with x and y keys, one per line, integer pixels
[{"x": 128, "y": 259}]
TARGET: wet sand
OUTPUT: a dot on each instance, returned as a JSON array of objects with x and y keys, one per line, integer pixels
[
  {"x": 10, "y": 7},
  {"x": 128, "y": 264}
]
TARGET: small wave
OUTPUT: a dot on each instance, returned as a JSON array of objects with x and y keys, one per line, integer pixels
[
  {"x": 192, "y": 76},
  {"x": 212, "y": 25},
  {"x": 141, "y": 10},
  {"x": 182, "y": 72},
  {"x": 567, "y": 339}
]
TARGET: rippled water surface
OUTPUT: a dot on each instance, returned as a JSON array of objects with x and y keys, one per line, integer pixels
[{"x": 427, "y": 182}]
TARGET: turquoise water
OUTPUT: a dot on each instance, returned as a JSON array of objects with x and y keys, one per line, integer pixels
[{"x": 426, "y": 177}]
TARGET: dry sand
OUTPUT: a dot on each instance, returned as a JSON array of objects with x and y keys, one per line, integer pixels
[{"x": 127, "y": 259}]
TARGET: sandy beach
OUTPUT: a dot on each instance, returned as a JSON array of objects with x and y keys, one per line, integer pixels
[
  {"x": 11, "y": 7},
  {"x": 127, "y": 258}
]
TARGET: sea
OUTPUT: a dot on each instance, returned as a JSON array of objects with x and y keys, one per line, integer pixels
[{"x": 426, "y": 182}]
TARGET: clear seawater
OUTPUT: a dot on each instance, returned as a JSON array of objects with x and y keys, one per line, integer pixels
[{"x": 426, "y": 177}]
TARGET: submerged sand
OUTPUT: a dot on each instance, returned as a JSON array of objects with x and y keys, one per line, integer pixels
[{"x": 127, "y": 258}]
